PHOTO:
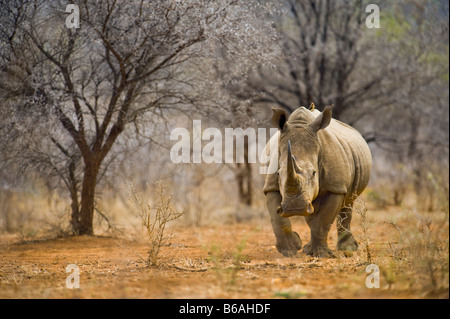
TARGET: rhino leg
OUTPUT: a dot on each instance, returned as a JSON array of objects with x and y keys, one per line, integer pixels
[
  {"x": 346, "y": 241},
  {"x": 320, "y": 223},
  {"x": 288, "y": 241}
]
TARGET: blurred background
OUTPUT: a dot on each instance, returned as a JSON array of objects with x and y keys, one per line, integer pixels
[{"x": 87, "y": 112}]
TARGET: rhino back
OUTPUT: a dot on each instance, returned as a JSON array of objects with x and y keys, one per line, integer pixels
[{"x": 346, "y": 161}]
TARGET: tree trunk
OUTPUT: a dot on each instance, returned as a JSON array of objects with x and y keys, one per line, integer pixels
[
  {"x": 75, "y": 205},
  {"x": 248, "y": 175},
  {"x": 244, "y": 178},
  {"x": 88, "y": 198},
  {"x": 75, "y": 215}
]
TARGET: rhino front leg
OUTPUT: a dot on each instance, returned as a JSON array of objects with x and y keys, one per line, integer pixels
[
  {"x": 320, "y": 223},
  {"x": 288, "y": 241}
]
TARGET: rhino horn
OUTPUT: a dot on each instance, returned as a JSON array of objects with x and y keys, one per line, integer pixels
[
  {"x": 290, "y": 166},
  {"x": 292, "y": 182}
]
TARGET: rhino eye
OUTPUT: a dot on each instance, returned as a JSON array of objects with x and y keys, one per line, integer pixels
[{"x": 314, "y": 173}]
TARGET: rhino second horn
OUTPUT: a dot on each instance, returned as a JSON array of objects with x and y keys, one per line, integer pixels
[
  {"x": 297, "y": 168},
  {"x": 310, "y": 208}
]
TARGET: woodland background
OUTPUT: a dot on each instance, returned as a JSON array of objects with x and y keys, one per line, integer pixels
[{"x": 86, "y": 113}]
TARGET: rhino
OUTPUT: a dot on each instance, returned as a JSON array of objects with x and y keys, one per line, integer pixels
[{"x": 323, "y": 166}]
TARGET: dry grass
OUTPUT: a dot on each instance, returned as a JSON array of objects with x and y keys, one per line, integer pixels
[
  {"x": 227, "y": 264},
  {"x": 413, "y": 251},
  {"x": 216, "y": 262},
  {"x": 421, "y": 251},
  {"x": 226, "y": 259}
]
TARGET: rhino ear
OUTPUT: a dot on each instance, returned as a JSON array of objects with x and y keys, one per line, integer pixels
[
  {"x": 279, "y": 118},
  {"x": 323, "y": 120}
]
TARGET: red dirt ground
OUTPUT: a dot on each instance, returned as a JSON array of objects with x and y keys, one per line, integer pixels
[{"x": 230, "y": 261}]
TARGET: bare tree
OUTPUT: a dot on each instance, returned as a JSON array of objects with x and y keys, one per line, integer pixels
[
  {"x": 321, "y": 48},
  {"x": 72, "y": 93}
]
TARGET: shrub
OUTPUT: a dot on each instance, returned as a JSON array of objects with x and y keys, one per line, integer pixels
[{"x": 154, "y": 217}]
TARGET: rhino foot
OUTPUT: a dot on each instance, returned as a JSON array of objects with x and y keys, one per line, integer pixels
[
  {"x": 289, "y": 244},
  {"x": 347, "y": 243},
  {"x": 320, "y": 251}
]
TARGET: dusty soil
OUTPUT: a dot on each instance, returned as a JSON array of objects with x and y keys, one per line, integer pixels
[{"x": 227, "y": 261}]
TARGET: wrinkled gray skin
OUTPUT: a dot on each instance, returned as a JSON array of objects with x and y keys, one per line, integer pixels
[{"x": 324, "y": 165}]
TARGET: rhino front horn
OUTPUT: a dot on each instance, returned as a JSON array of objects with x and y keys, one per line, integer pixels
[
  {"x": 290, "y": 162},
  {"x": 292, "y": 178}
]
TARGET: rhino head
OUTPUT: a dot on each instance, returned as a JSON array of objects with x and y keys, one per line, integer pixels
[{"x": 299, "y": 161}]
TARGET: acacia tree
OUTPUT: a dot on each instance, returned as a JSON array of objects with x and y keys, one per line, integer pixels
[{"x": 72, "y": 93}]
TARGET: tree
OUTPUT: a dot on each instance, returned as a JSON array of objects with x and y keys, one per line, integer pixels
[
  {"x": 410, "y": 127},
  {"x": 72, "y": 93},
  {"x": 321, "y": 48}
]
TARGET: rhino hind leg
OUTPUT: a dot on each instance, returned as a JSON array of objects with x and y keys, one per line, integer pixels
[
  {"x": 346, "y": 241},
  {"x": 288, "y": 241},
  {"x": 320, "y": 223}
]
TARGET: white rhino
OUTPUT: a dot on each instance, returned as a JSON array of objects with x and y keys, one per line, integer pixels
[{"x": 323, "y": 166}]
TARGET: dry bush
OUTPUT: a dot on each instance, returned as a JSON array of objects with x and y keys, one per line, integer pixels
[
  {"x": 418, "y": 253},
  {"x": 413, "y": 250},
  {"x": 423, "y": 243},
  {"x": 427, "y": 251},
  {"x": 360, "y": 207},
  {"x": 154, "y": 217}
]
